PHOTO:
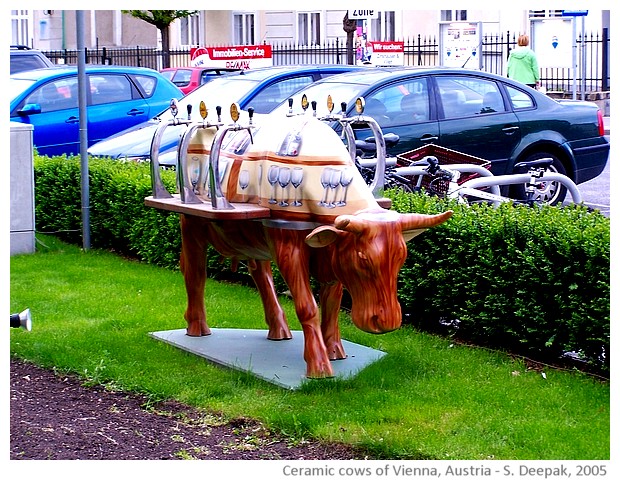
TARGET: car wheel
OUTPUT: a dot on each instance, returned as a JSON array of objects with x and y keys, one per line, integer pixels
[{"x": 551, "y": 193}]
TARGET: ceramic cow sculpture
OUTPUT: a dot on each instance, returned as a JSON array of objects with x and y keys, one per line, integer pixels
[{"x": 319, "y": 220}]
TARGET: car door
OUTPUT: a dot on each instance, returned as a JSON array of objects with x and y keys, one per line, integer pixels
[
  {"x": 475, "y": 119},
  {"x": 54, "y": 115},
  {"x": 115, "y": 104},
  {"x": 403, "y": 107}
]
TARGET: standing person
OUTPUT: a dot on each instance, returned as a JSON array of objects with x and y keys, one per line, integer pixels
[{"x": 523, "y": 64}]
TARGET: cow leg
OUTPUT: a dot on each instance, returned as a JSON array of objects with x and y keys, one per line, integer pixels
[
  {"x": 194, "y": 269},
  {"x": 274, "y": 315},
  {"x": 330, "y": 300},
  {"x": 293, "y": 257}
]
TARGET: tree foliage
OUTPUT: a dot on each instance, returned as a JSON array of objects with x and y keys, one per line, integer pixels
[{"x": 162, "y": 19}]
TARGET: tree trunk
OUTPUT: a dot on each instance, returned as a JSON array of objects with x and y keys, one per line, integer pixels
[
  {"x": 349, "y": 26},
  {"x": 165, "y": 46}
]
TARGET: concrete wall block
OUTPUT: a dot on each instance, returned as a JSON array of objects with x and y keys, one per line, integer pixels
[{"x": 22, "y": 189}]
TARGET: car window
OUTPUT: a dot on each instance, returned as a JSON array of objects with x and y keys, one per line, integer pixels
[
  {"x": 146, "y": 83},
  {"x": 20, "y": 63},
  {"x": 400, "y": 103},
  {"x": 56, "y": 95},
  {"x": 221, "y": 91},
  {"x": 272, "y": 96},
  {"x": 168, "y": 74},
  {"x": 23, "y": 58},
  {"x": 339, "y": 92},
  {"x": 519, "y": 99},
  {"x": 109, "y": 89},
  {"x": 208, "y": 75},
  {"x": 469, "y": 96},
  {"x": 182, "y": 78}
]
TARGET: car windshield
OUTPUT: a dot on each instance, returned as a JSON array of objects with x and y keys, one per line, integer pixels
[
  {"x": 19, "y": 85},
  {"x": 218, "y": 92},
  {"x": 340, "y": 92}
]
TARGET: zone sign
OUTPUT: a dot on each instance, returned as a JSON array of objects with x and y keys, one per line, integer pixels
[{"x": 361, "y": 14}]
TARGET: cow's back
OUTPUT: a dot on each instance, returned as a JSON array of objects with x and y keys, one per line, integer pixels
[{"x": 296, "y": 166}]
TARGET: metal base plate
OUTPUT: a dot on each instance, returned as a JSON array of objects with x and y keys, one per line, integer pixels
[{"x": 278, "y": 362}]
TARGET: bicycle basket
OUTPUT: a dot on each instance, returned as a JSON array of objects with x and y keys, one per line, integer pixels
[{"x": 438, "y": 184}]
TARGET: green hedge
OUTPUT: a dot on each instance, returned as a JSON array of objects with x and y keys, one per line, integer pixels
[
  {"x": 529, "y": 280},
  {"x": 119, "y": 220},
  {"x": 532, "y": 280}
]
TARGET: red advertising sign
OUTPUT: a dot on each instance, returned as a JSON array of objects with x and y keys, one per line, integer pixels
[
  {"x": 236, "y": 56},
  {"x": 387, "y": 53}
]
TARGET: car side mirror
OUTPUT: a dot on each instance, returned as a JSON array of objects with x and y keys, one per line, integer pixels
[{"x": 30, "y": 109}]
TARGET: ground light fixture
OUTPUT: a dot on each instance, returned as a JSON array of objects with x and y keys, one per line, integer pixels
[{"x": 23, "y": 320}]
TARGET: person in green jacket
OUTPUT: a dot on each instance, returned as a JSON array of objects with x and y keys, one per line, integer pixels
[{"x": 522, "y": 63}]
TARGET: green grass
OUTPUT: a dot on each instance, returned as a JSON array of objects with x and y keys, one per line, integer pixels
[{"x": 426, "y": 399}]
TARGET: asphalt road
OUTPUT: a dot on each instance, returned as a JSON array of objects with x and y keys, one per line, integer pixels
[{"x": 596, "y": 193}]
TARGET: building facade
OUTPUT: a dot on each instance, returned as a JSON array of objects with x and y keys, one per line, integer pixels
[{"x": 55, "y": 29}]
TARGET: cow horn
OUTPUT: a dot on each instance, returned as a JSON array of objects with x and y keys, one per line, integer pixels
[
  {"x": 414, "y": 221},
  {"x": 413, "y": 224}
]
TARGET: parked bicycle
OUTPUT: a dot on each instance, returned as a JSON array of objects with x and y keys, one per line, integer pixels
[
  {"x": 485, "y": 187},
  {"x": 467, "y": 182}
]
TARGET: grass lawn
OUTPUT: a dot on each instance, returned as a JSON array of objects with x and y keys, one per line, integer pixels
[{"x": 428, "y": 398}]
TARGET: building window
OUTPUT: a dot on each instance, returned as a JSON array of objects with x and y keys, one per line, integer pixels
[
  {"x": 545, "y": 13},
  {"x": 308, "y": 28},
  {"x": 21, "y": 27},
  {"x": 383, "y": 28},
  {"x": 190, "y": 30},
  {"x": 243, "y": 24},
  {"x": 453, "y": 15}
]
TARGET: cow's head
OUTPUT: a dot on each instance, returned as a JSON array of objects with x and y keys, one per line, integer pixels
[{"x": 368, "y": 250}]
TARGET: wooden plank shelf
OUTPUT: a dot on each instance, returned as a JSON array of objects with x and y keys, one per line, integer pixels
[{"x": 240, "y": 211}]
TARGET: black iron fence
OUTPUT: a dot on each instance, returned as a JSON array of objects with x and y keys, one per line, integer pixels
[{"x": 590, "y": 75}]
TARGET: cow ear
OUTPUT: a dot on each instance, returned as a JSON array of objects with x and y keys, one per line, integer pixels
[{"x": 322, "y": 236}]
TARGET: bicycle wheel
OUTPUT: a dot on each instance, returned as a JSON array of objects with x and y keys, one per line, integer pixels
[
  {"x": 552, "y": 193},
  {"x": 398, "y": 184}
]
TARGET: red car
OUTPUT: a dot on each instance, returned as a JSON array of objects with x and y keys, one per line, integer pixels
[{"x": 190, "y": 78}]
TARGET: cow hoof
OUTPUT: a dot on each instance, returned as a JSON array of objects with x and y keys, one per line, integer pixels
[
  {"x": 279, "y": 334},
  {"x": 198, "y": 332},
  {"x": 336, "y": 352},
  {"x": 323, "y": 371}
]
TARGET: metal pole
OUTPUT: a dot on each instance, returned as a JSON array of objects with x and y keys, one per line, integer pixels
[
  {"x": 583, "y": 58},
  {"x": 605, "y": 65},
  {"x": 574, "y": 20},
  {"x": 82, "y": 85}
]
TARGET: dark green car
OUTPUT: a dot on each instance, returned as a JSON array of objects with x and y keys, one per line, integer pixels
[{"x": 476, "y": 113}]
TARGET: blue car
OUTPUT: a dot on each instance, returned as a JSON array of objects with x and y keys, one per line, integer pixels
[
  {"x": 263, "y": 89},
  {"x": 117, "y": 98}
]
